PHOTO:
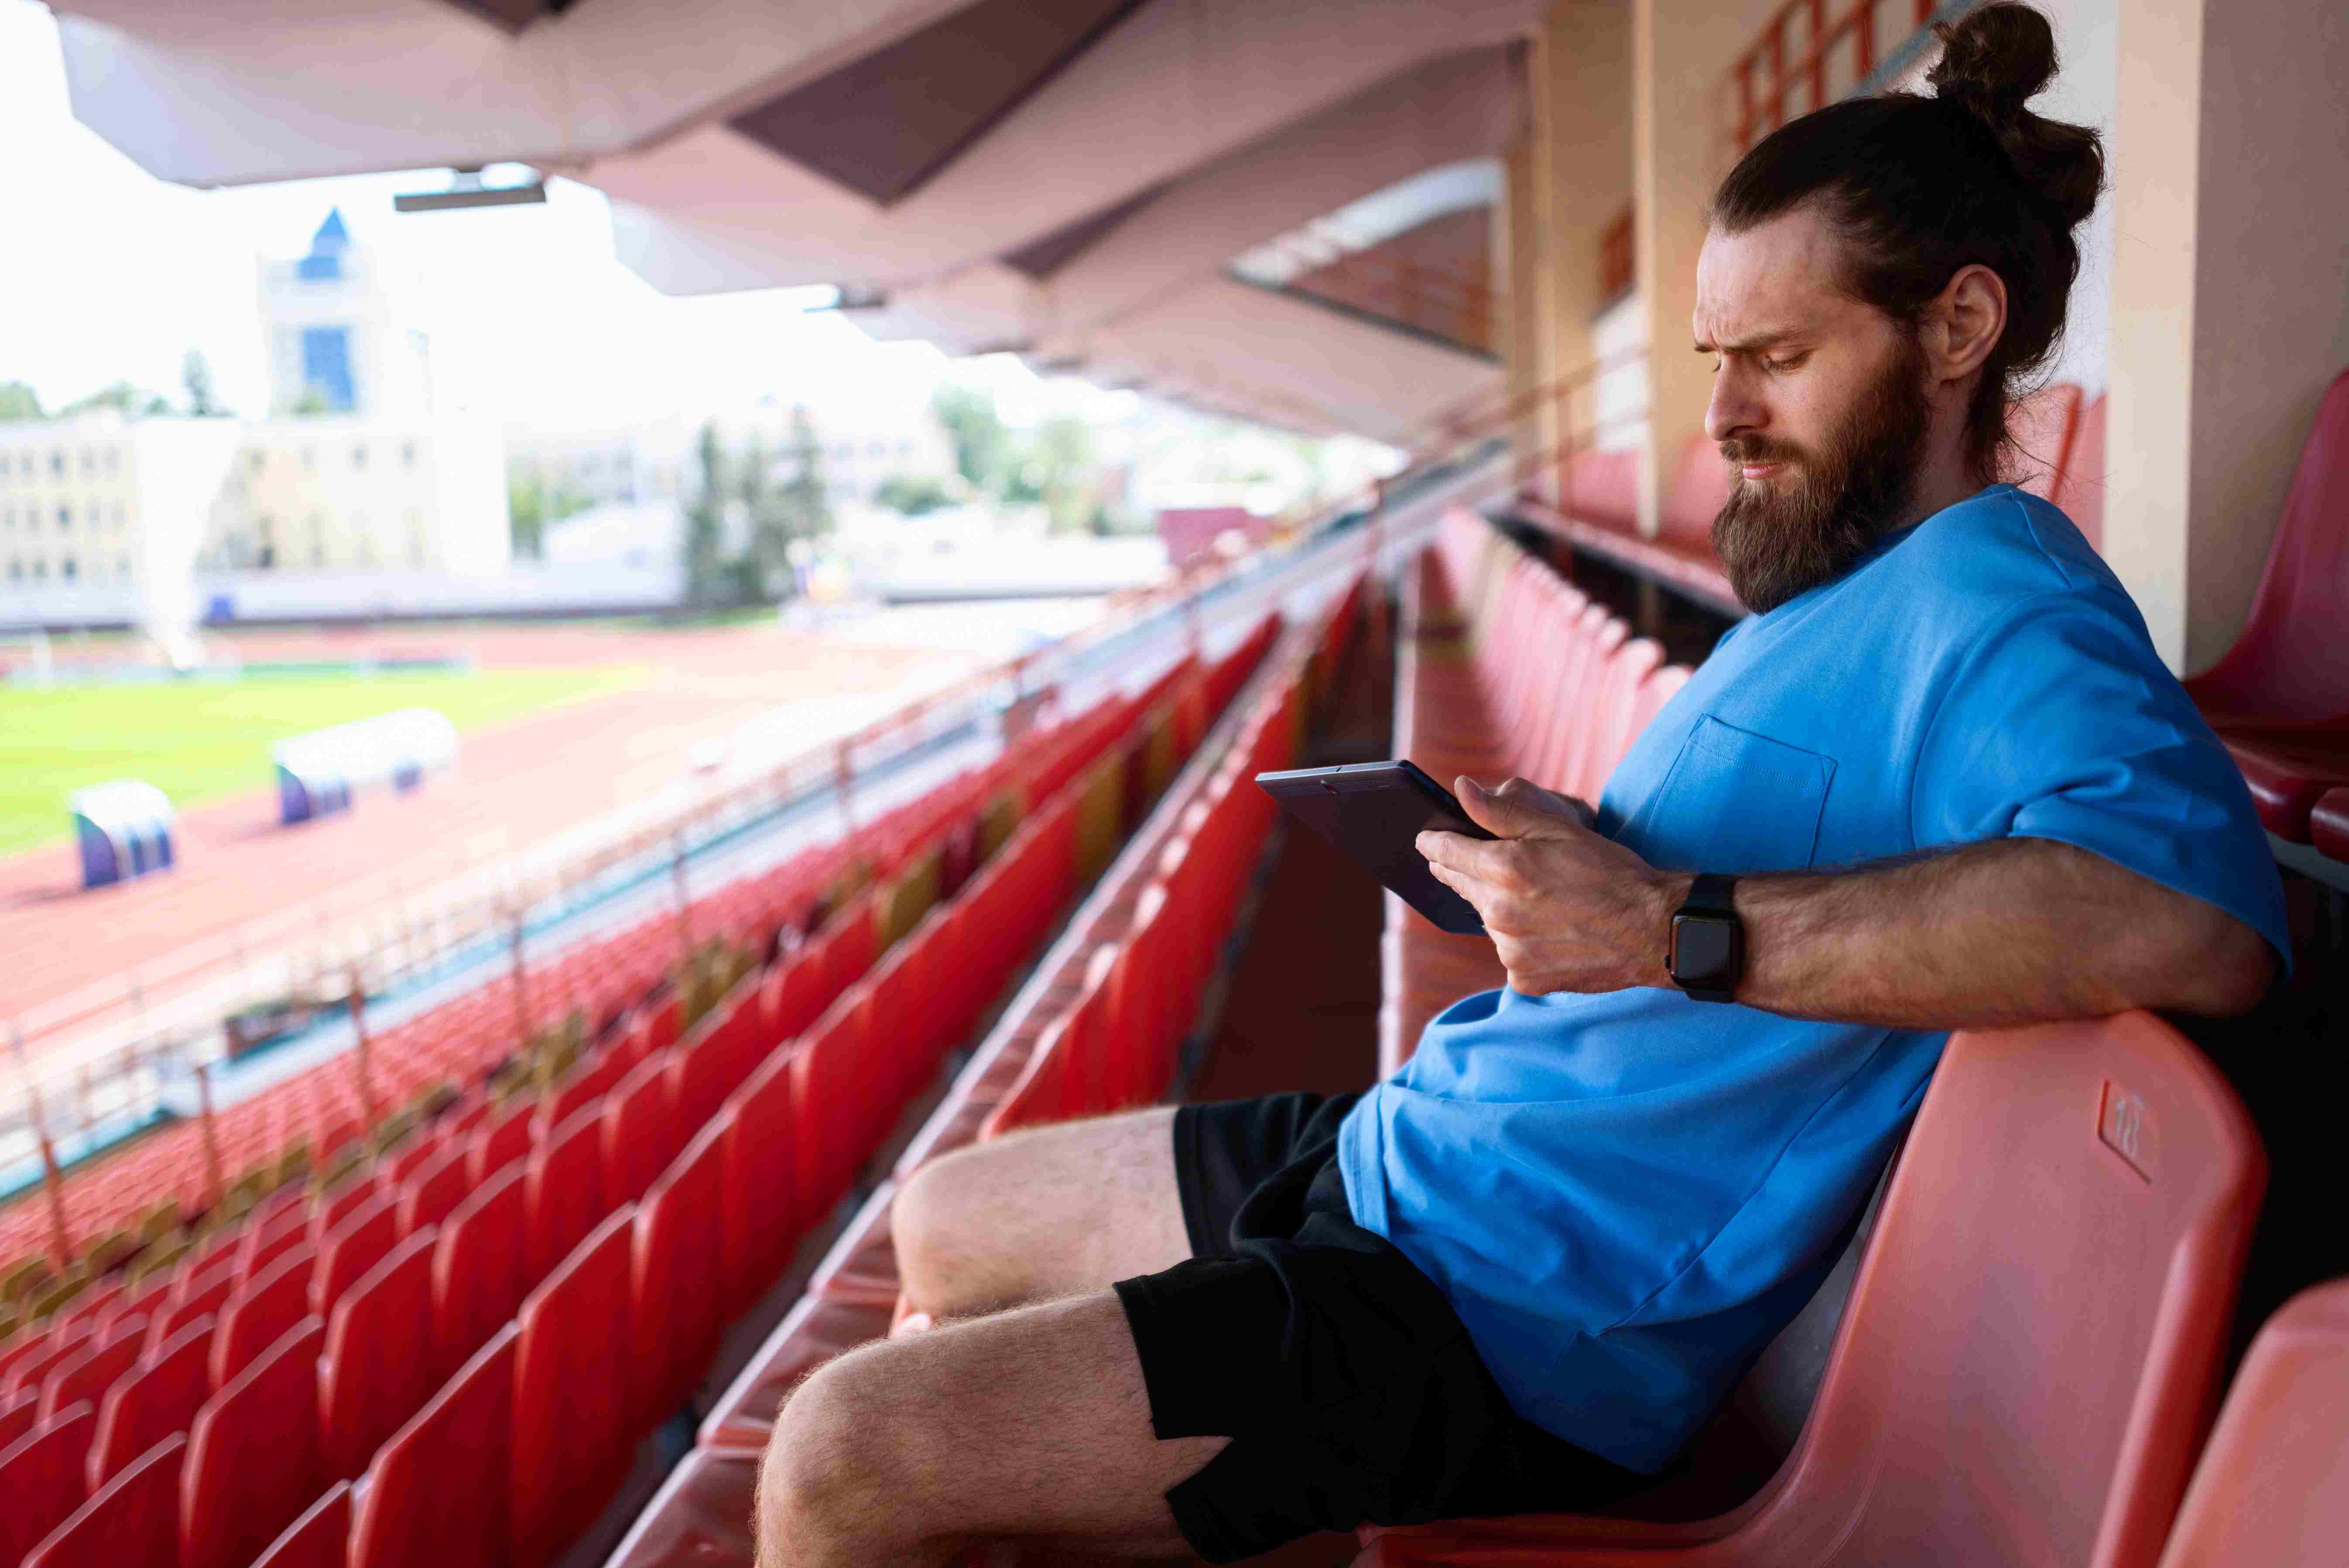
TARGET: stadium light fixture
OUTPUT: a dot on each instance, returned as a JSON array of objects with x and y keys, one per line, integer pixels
[{"x": 466, "y": 190}]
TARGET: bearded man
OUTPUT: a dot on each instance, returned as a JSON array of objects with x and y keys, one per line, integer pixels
[{"x": 1938, "y": 780}]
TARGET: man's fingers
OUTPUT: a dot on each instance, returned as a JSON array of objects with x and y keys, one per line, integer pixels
[
  {"x": 1458, "y": 853},
  {"x": 1518, "y": 808}
]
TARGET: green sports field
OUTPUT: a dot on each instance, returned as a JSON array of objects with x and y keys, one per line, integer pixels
[{"x": 197, "y": 740}]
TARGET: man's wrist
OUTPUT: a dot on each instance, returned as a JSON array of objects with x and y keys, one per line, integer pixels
[{"x": 1667, "y": 891}]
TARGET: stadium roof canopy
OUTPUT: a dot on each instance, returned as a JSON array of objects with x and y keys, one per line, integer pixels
[{"x": 1069, "y": 178}]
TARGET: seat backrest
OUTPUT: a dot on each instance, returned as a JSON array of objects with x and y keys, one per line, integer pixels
[
  {"x": 565, "y": 1188},
  {"x": 502, "y": 1140},
  {"x": 2288, "y": 663},
  {"x": 31, "y": 1371},
  {"x": 679, "y": 1236},
  {"x": 202, "y": 1297},
  {"x": 258, "y": 1314},
  {"x": 480, "y": 1269},
  {"x": 316, "y": 1540},
  {"x": 133, "y": 1518},
  {"x": 761, "y": 1215},
  {"x": 434, "y": 1188},
  {"x": 2064, "y": 1229},
  {"x": 641, "y": 1129},
  {"x": 351, "y": 1248},
  {"x": 381, "y": 1358},
  {"x": 1603, "y": 487},
  {"x": 827, "y": 1078},
  {"x": 252, "y": 1455},
  {"x": 569, "y": 1435},
  {"x": 106, "y": 1355},
  {"x": 159, "y": 1397},
  {"x": 2079, "y": 490},
  {"x": 2273, "y": 1487},
  {"x": 436, "y": 1491},
  {"x": 41, "y": 1478},
  {"x": 2043, "y": 428},
  {"x": 1609, "y": 722}
]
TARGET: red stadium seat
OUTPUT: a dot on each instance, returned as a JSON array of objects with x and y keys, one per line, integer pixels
[
  {"x": 266, "y": 1242},
  {"x": 41, "y": 1478},
  {"x": 815, "y": 1331},
  {"x": 434, "y": 1188},
  {"x": 762, "y": 1216},
  {"x": 570, "y": 1436},
  {"x": 19, "y": 1414},
  {"x": 862, "y": 1266},
  {"x": 252, "y": 1455},
  {"x": 680, "y": 1230},
  {"x": 132, "y": 1519},
  {"x": 642, "y": 1132},
  {"x": 316, "y": 1540},
  {"x": 436, "y": 1495},
  {"x": 257, "y": 1314},
  {"x": 196, "y": 1296},
  {"x": 563, "y": 1189},
  {"x": 833, "y": 1093},
  {"x": 2273, "y": 1487},
  {"x": 2079, "y": 492},
  {"x": 480, "y": 1271},
  {"x": 159, "y": 1397},
  {"x": 29, "y": 1371},
  {"x": 2107, "y": 1232},
  {"x": 330, "y": 1209},
  {"x": 701, "y": 1517},
  {"x": 503, "y": 1141},
  {"x": 352, "y": 1248},
  {"x": 701, "y": 1074},
  {"x": 2328, "y": 824},
  {"x": 87, "y": 1374},
  {"x": 381, "y": 1359}
]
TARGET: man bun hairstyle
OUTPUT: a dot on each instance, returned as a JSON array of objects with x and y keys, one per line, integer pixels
[{"x": 1920, "y": 187}]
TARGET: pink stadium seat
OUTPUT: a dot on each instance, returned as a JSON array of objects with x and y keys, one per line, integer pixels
[
  {"x": 159, "y": 1397},
  {"x": 381, "y": 1359},
  {"x": 265, "y": 1243},
  {"x": 2079, "y": 491},
  {"x": 1657, "y": 689},
  {"x": 563, "y": 1189},
  {"x": 479, "y": 1270},
  {"x": 330, "y": 1209},
  {"x": 2273, "y": 1487},
  {"x": 132, "y": 1519},
  {"x": 642, "y": 1132},
  {"x": 29, "y": 1371},
  {"x": 197, "y": 1296},
  {"x": 2095, "y": 1184},
  {"x": 701, "y": 1517},
  {"x": 761, "y": 1215},
  {"x": 503, "y": 1139},
  {"x": 252, "y": 1455},
  {"x": 433, "y": 1189},
  {"x": 814, "y": 1331},
  {"x": 420, "y": 1150},
  {"x": 436, "y": 1495},
  {"x": 352, "y": 1248},
  {"x": 316, "y": 1540},
  {"x": 19, "y": 1414},
  {"x": 41, "y": 1478},
  {"x": 85, "y": 1376},
  {"x": 257, "y": 1314},
  {"x": 570, "y": 1436},
  {"x": 680, "y": 1230},
  {"x": 1603, "y": 487}
]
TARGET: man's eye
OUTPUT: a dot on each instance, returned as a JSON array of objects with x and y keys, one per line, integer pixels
[{"x": 1785, "y": 363}]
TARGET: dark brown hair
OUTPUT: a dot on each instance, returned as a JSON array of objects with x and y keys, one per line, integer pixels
[{"x": 1919, "y": 186}]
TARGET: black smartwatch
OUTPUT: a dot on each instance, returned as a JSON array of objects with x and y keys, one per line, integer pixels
[{"x": 1707, "y": 955}]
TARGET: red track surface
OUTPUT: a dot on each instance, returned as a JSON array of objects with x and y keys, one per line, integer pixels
[{"x": 517, "y": 785}]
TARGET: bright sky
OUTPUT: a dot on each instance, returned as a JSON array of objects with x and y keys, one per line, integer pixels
[{"x": 108, "y": 274}]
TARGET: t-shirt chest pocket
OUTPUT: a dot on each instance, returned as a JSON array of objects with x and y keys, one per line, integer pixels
[{"x": 1734, "y": 801}]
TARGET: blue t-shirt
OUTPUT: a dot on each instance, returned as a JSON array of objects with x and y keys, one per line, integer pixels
[{"x": 1624, "y": 1195}]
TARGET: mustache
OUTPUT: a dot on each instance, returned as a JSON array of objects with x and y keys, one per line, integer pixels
[{"x": 1739, "y": 451}]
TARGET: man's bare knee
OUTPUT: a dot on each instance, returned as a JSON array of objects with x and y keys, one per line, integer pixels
[
  {"x": 831, "y": 1487},
  {"x": 949, "y": 1248}
]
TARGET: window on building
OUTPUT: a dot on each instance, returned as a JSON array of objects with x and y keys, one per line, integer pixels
[
  {"x": 309, "y": 457},
  {"x": 415, "y": 539},
  {"x": 65, "y": 517},
  {"x": 118, "y": 516},
  {"x": 358, "y": 455},
  {"x": 69, "y": 569},
  {"x": 40, "y": 571},
  {"x": 326, "y": 367},
  {"x": 407, "y": 454},
  {"x": 8, "y": 519},
  {"x": 15, "y": 570},
  {"x": 122, "y": 568},
  {"x": 88, "y": 462},
  {"x": 254, "y": 459},
  {"x": 3, "y": 465},
  {"x": 56, "y": 464},
  {"x": 114, "y": 459}
]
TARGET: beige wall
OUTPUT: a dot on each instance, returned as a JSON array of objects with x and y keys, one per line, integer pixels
[{"x": 2230, "y": 294}]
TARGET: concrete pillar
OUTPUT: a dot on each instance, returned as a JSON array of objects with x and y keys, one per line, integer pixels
[
  {"x": 1680, "y": 49},
  {"x": 2230, "y": 294},
  {"x": 1529, "y": 219},
  {"x": 1588, "y": 57}
]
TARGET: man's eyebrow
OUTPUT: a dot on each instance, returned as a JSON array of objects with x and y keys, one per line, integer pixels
[{"x": 1754, "y": 345}]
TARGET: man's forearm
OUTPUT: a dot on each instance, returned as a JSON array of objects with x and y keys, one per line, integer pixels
[{"x": 2007, "y": 932}]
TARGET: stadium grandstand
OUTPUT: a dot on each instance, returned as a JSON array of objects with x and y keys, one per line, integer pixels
[{"x": 591, "y": 1172}]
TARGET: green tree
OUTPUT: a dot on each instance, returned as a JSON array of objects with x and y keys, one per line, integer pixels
[
  {"x": 982, "y": 442},
  {"x": 912, "y": 494},
  {"x": 19, "y": 401},
  {"x": 706, "y": 579},
  {"x": 1060, "y": 461},
  {"x": 532, "y": 509},
  {"x": 196, "y": 379},
  {"x": 122, "y": 397}
]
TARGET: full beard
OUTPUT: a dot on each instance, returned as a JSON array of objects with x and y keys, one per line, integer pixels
[{"x": 1778, "y": 540}]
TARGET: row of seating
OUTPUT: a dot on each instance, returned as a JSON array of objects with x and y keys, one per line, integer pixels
[
  {"x": 592, "y": 1201},
  {"x": 2058, "y": 453},
  {"x": 1097, "y": 1029},
  {"x": 1468, "y": 700}
]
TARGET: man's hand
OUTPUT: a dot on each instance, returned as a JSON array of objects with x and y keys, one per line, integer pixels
[{"x": 1567, "y": 909}]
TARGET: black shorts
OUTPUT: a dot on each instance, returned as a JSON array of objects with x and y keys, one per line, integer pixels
[{"x": 1349, "y": 1390}]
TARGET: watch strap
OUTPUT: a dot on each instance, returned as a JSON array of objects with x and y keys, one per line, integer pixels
[{"x": 1711, "y": 893}]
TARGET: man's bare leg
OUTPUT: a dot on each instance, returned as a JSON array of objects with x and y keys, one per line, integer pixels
[
  {"x": 1056, "y": 1212},
  {"x": 1032, "y": 1423}
]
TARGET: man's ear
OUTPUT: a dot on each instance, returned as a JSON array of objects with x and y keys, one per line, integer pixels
[{"x": 1964, "y": 322}]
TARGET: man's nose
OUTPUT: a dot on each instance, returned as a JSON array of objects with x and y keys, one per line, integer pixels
[{"x": 1733, "y": 409}]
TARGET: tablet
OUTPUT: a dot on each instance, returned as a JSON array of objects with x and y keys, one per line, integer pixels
[{"x": 1373, "y": 810}]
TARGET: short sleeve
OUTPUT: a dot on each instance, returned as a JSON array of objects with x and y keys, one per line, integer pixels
[{"x": 2060, "y": 723}]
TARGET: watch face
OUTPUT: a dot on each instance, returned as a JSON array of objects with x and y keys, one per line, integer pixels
[{"x": 1703, "y": 946}]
